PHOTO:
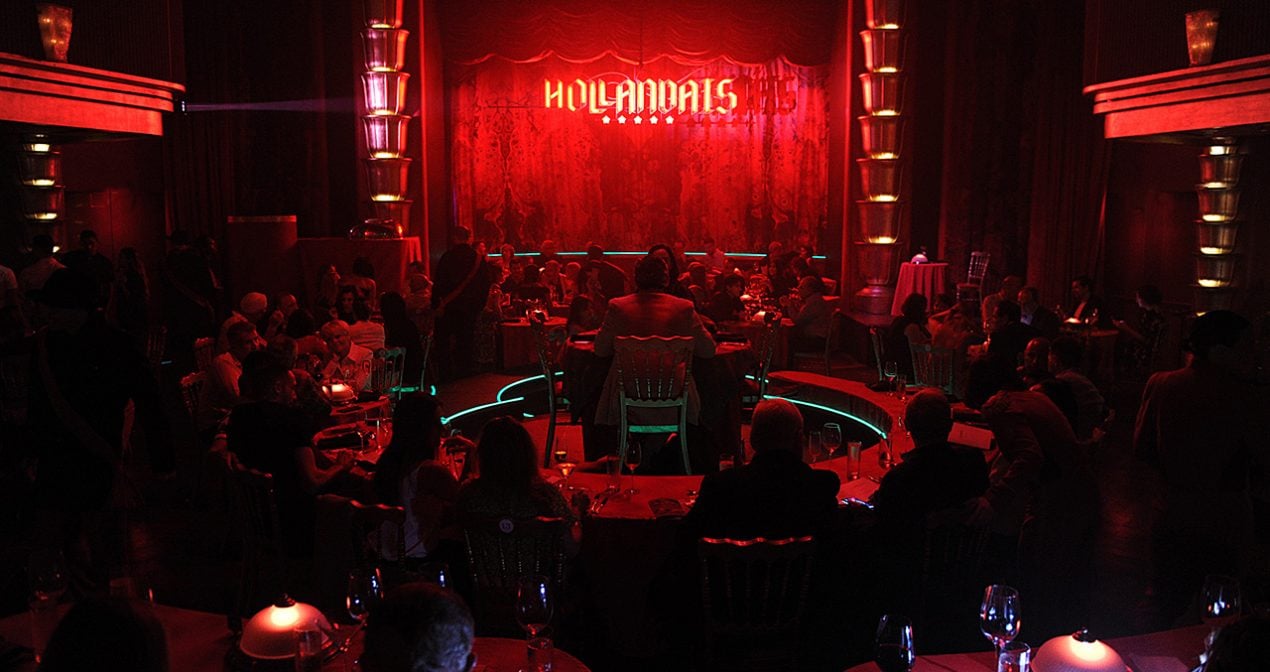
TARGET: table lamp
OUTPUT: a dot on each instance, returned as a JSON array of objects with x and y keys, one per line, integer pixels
[
  {"x": 1077, "y": 652},
  {"x": 270, "y": 634}
]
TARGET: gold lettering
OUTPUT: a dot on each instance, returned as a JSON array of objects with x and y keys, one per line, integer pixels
[
  {"x": 580, "y": 86},
  {"x": 625, "y": 97},
  {"x": 708, "y": 90},
  {"x": 689, "y": 95},
  {"x": 724, "y": 90},
  {"x": 668, "y": 96},
  {"x": 549, "y": 94},
  {"x": 647, "y": 95}
]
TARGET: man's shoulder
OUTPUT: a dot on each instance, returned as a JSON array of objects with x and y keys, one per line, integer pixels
[{"x": 357, "y": 353}]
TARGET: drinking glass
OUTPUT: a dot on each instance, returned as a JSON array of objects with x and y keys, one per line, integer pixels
[
  {"x": 1221, "y": 601},
  {"x": 814, "y": 442},
  {"x": 901, "y": 387},
  {"x": 1000, "y": 616},
  {"x": 566, "y": 468},
  {"x": 726, "y": 461},
  {"x": 634, "y": 455},
  {"x": 308, "y": 648},
  {"x": 890, "y": 370},
  {"x": 1014, "y": 657},
  {"x": 894, "y": 650},
  {"x": 534, "y": 604},
  {"x": 831, "y": 437},
  {"x": 853, "y": 459},
  {"x": 364, "y": 590},
  {"x": 46, "y": 570}
]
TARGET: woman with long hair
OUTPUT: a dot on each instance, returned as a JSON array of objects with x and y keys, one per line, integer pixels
[
  {"x": 674, "y": 288},
  {"x": 129, "y": 307},
  {"x": 400, "y": 332},
  {"x": 409, "y": 475},
  {"x": 509, "y": 483}
]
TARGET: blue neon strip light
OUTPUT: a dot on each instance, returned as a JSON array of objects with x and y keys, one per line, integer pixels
[
  {"x": 827, "y": 409},
  {"x": 741, "y": 255},
  {"x": 482, "y": 407},
  {"x": 522, "y": 381}
]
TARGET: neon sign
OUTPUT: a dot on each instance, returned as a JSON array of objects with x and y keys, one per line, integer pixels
[{"x": 666, "y": 97}]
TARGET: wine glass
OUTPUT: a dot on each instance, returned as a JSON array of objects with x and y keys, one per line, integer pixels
[
  {"x": 534, "y": 604},
  {"x": 891, "y": 370},
  {"x": 634, "y": 455},
  {"x": 1221, "y": 601},
  {"x": 365, "y": 588},
  {"x": 46, "y": 570},
  {"x": 831, "y": 438},
  {"x": 894, "y": 650},
  {"x": 1000, "y": 616}
]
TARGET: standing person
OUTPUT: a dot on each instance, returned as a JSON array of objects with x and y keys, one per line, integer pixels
[
  {"x": 88, "y": 259},
  {"x": 9, "y": 293},
  {"x": 191, "y": 300},
  {"x": 400, "y": 332},
  {"x": 613, "y": 281},
  {"x": 84, "y": 373},
  {"x": 458, "y": 298},
  {"x": 1203, "y": 427},
  {"x": 129, "y": 307},
  {"x": 364, "y": 280},
  {"x": 1143, "y": 339},
  {"x": 37, "y": 273}
]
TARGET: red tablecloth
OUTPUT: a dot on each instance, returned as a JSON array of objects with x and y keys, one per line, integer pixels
[
  {"x": 517, "y": 341},
  {"x": 925, "y": 279},
  {"x": 388, "y": 256},
  {"x": 753, "y": 331},
  {"x": 198, "y": 642}
]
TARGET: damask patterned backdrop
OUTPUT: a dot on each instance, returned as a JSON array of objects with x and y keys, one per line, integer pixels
[{"x": 523, "y": 171}]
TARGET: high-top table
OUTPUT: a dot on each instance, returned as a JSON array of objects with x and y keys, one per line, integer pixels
[{"x": 928, "y": 280}]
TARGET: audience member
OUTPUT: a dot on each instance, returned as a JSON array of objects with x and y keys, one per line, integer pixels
[
  {"x": 959, "y": 329},
  {"x": 107, "y": 634},
  {"x": 907, "y": 330},
  {"x": 268, "y": 434},
  {"x": 328, "y": 292},
  {"x": 221, "y": 392},
  {"x": 613, "y": 281},
  {"x": 37, "y": 273},
  {"x": 673, "y": 286},
  {"x": 1009, "y": 291},
  {"x": 1066, "y": 354},
  {"x": 586, "y": 311},
  {"x": 129, "y": 304},
  {"x": 363, "y": 331},
  {"x": 193, "y": 300},
  {"x": 1143, "y": 339},
  {"x": 548, "y": 250},
  {"x": 458, "y": 299},
  {"x": 1033, "y": 314},
  {"x": 1036, "y": 362},
  {"x": 1204, "y": 427},
  {"x": 345, "y": 303},
  {"x": 409, "y": 475},
  {"x": 347, "y": 361},
  {"x": 531, "y": 287},
  {"x": 569, "y": 280},
  {"x": 10, "y": 294},
  {"x": 87, "y": 259},
  {"x": 697, "y": 282},
  {"x": 400, "y": 332},
  {"x": 419, "y": 627},
  {"x": 308, "y": 394},
  {"x": 251, "y": 309},
  {"x": 364, "y": 281},
  {"x": 553, "y": 280},
  {"x": 726, "y": 304},
  {"x": 811, "y": 319},
  {"x": 1009, "y": 337},
  {"x": 1243, "y": 646},
  {"x": 1087, "y": 308},
  {"x": 419, "y": 301},
  {"x": 716, "y": 260}
]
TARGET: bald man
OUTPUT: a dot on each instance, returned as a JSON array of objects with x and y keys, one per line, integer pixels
[{"x": 776, "y": 495}]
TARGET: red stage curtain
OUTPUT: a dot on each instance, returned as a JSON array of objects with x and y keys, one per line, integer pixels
[
  {"x": 750, "y": 32},
  {"x": 523, "y": 172}
]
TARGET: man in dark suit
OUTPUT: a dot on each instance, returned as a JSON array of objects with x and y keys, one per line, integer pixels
[
  {"x": 726, "y": 305},
  {"x": 612, "y": 279},
  {"x": 776, "y": 495},
  {"x": 1039, "y": 317},
  {"x": 1009, "y": 336},
  {"x": 461, "y": 286},
  {"x": 1086, "y": 307}
]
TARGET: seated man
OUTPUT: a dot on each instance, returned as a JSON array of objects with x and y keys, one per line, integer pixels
[
  {"x": 1036, "y": 362},
  {"x": 348, "y": 361},
  {"x": 251, "y": 309},
  {"x": 776, "y": 495},
  {"x": 268, "y": 434},
  {"x": 726, "y": 305},
  {"x": 1009, "y": 337},
  {"x": 1091, "y": 409},
  {"x": 220, "y": 392},
  {"x": 419, "y": 627},
  {"x": 811, "y": 319}
]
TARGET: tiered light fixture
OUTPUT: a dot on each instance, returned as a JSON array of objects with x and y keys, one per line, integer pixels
[
  {"x": 882, "y": 85},
  {"x": 1217, "y": 226},
  {"x": 384, "y": 126},
  {"x": 40, "y": 172}
]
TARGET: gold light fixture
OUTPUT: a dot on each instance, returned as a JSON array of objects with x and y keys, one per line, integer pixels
[
  {"x": 384, "y": 49},
  {"x": 382, "y": 13},
  {"x": 884, "y": 14},
  {"x": 385, "y": 135},
  {"x": 883, "y": 50}
]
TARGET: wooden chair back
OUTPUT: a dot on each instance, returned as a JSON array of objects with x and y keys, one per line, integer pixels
[
  {"x": 156, "y": 345},
  {"x": 500, "y": 551},
  {"x": 386, "y": 369},
  {"x": 935, "y": 367},
  {"x": 877, "y": 339},
  {"x": 191, "y": 391},
  {"x": 204, "y": 352},
  {"x": 253, "y": 515},
  {"x": 754, "y": 594},
  {"x": 653, "y": 372},
  {"x": 547, "y": 344}
]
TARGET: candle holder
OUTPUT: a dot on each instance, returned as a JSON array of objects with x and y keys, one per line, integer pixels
[
  {"x": 384, "y": 49},
  {"x": 879, "y": 179},
  {"x": 1216, "y": 238}
]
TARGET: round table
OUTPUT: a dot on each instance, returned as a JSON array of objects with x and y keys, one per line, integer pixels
[{"x": 926, "y": 279}]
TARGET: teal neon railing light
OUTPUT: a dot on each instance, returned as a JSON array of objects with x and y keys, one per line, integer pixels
[
  {"x": 522, "y": 381},
  {"x": 640, "y": 253},
  {"x": 820, "y": 407},
  {"x": 482, "y": 407}
]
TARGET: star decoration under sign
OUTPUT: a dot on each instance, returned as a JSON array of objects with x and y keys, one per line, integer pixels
[
  {"x": 652, "y": 120},
  {"x": 639, "y": 120},
  {"x": 606, "y": 119},
  {"x": 621, "y": 119}
]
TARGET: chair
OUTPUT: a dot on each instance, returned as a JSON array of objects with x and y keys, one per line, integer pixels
[
  {"x": 877, "y": 338},
  {"x": 972, "y": 288},
  {"x": 204, "y": 352},
  {"x": 950, "y": 578},
  {"x": 156, "y": 344},
  {"x": 766, "y": 352},
  {"x": 500, "y": 551},
  {"x": 253, "y": 513},
  {"x": 15, "y": 388},
  {"x": 653, "y": 372},
  {"x": 547, "y": 355},
  {"x": 191, "y": 391},
  {"x": 353, "y": 535},
  {"x": 754, "y": 593},
  {"x": 831, "y": 343},
  {"x": 386, "y": 369},
  {"x": 935, "y": 367},
  {"x": 426, "y": 342}
]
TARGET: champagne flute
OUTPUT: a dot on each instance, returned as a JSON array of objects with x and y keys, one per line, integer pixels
[
  {"x": 634, "y": 456},
  {"x": 534, "y": 604},
  {"x": 566, "y": 468},
  {"x": 894, "y": 650},
  {"x": 365, "y": 588},
  {"x": 831, "y": 438},
  {"x": 1000, "y": 616},
  {"x": 891, "y": 370}
]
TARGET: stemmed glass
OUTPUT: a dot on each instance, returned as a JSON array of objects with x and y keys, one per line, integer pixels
[
  {"x": 534, "y": 604},
  {"x": 831, "y": 438},
  {"x": 890, "y": 370},
  {"x": 561, "y": 453},
  {"x": 46, "y": 571},
  {"x": 365, "y": 588},
  {"x": 1000, "y": 616},
  {"x": 894, "y": 650},
  {"x": 1221, "y": 604},
  {"x": 634, "y": 455}
]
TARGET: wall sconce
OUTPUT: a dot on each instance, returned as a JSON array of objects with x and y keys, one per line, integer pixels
[
  {"x": 1201, "y": 35},
  {"x": 883, "y": 50},
  {"x": 388, "y": 179},
  {"x": 385, "y": 135},
  {"x": 1216, "y": 238},
  {"x": 382, "y": 13},
  {"x": 384, "y": 49},
  {"x": 55, "y": 30},
  {"x": 884, "y": 14},
  {"x": 882, "y": 92},
  {"x": 385, "y": 92},
  {"x": 879, "y": 179},
  {"x": 1215, "y": 270},
  {"x": 1217, "y": 205},
  {"x": 880, "y": 136}
]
